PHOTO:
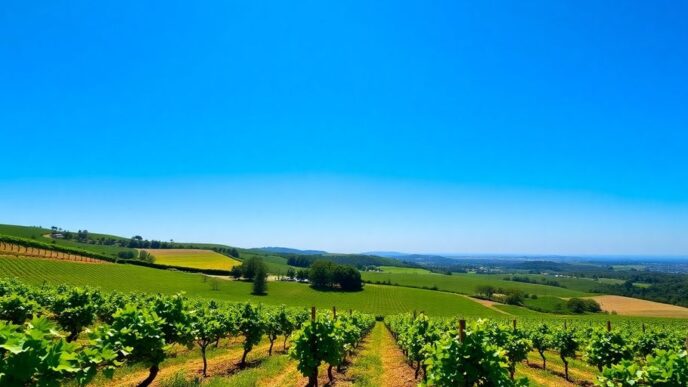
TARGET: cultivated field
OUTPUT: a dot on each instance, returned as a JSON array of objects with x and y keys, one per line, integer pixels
[
  {"x": 194, "y": 258},
  {"x": 634, "y": 307},
  {"x": 375, "y": 299},
  {"x": 466, "y": 283},
  {"x": 39, "y": 234}
]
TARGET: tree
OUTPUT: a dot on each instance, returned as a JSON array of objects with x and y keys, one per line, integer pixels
[
  {"x": 260, "y": 285},
  {"x": 249, "y": 267},
  {"x": 514, "y": 297},
  {"x": 486, "y": 290},
  {"x": 325, "y": 274},
  {"x": 347, "y": 277},
  {"x": 320, "y": 274},
  {"x": 291, "y": 273},
  {"x": 235, "y": 272},
  {"x": 302, "y": 274},
  {"x": 233, "y": 252}
]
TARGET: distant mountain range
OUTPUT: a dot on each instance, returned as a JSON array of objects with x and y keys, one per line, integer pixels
[
  {"x": 420, "y": 259},
  {"x": 287, "y": 250}
]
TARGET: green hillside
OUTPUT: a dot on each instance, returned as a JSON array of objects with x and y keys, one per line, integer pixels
[
  {"x": 464, "y": 283},
  {"x": 38, "y": 234},
  {"x": 373, "y": 299}
]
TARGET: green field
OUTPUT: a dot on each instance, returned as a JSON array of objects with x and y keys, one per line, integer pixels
[
  {"x": 373, "y": 299},
  {"x": 404, "y": 270},
  {"x": 38, "y": 234},
  {"x": 547, "y": 304},
  {"x": 199, "y": 259},
  {"x": 467, "y": 283}
]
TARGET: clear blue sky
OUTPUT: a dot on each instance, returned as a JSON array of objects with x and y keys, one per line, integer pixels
[{"x": 506, "y": 127}]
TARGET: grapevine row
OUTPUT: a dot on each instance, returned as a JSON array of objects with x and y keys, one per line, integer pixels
[
  {"x": 453, "y": 353},
  {"x": 39, "y": 327}
]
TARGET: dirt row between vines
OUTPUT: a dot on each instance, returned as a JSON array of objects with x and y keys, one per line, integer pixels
[
  {"x": 224, "y": 364},
  {"x": 377, "y": 362}
]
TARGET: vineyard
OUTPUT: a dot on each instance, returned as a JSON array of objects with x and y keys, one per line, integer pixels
[
  {"x": 447, "y": 352},
  {"x": 25, "y": 250},
  {"x": 77, "y": 336}
]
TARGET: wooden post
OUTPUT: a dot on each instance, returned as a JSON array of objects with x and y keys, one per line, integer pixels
[
  {"x": 514, "y": 324},
  {"x": 564, "y": 324},
  {"x": 643, "y": 327},
  {"x": 334, "y": 312},
  {"x": 609, "y": 326},
  {"x": 462, "y": 330},
  {"x": 312, "y": 313}
]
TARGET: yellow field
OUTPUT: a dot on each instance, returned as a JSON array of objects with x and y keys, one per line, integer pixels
[
  {"x": 627, "y": 306},
  {"x": 199, "y": 259}
]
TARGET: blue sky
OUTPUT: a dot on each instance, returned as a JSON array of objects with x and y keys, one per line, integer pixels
[{"x": 493, "y": 127}]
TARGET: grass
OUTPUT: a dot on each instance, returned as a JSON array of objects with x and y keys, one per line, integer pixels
[
  {"x": 467, "y": 283},
  {"x": 610, "y": 281},
  {"x": 366, "y": 369},
  {"x": 546, "y": 304},
  {"x": 37, "y": 233},
  {"x": 375, "y": 299},
  {"x": 268, "y": 368},
  {"x": 518, "y": 311},
  {"x": 199, "y": 259},
  {"x": 404, "y": 270}
]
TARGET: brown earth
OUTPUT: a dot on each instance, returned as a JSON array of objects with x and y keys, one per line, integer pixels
[{"x": 627, "y": 306}]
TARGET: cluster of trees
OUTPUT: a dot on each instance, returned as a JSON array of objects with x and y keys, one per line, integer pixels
[
  {"x": 507, "y": 296},
  {"x": 529, "y": 280},
  {"x": 582, "y": 305},
  {"x": 135, "y": 242},
  {"x": 667, "y": 288},
  {"x": 230, "y": 251},
  {"x": 326, "y": 274},
  {"x": 298, "y": 275},
  {"x": 253, "y": 269},
  {"x": 358, "y": 261},
  {"x": 300, "y": 260},
  {"x": 140, "y": 255}
]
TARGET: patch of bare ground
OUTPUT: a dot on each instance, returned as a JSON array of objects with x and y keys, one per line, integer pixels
[
  {"x": 395, "y": 370},
  {"x": 289, "y": 377},
  {"x": 488, "y": 303},
  {"x": 579, "y": 374},
  {"x": 539, "y": 377},
  {"x": 628, "y": 306},
  {"x": 222, "y": 365}
]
